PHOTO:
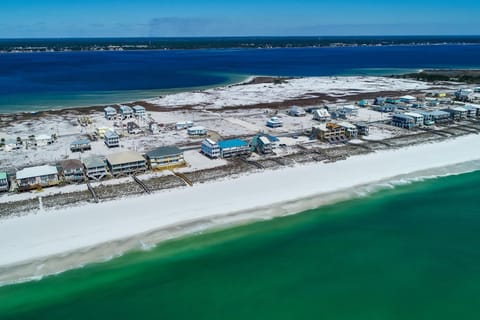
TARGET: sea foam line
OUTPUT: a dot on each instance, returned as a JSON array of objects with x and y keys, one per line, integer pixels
[{"x": 37, "y": 270}]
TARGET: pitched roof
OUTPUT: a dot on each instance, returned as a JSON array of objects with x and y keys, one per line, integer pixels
[
  {"x": 110, "y": 109},
  {"x": 138, "y": 108}
]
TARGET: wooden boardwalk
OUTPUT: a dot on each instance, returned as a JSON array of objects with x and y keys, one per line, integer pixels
[{"x": 142, "y": 184}]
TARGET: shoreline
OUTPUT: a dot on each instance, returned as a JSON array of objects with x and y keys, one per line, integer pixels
[
  {"x": 232, "y": 80},
  {"x": 241, "y": 200},
  {"x": 249, "y": 47}
]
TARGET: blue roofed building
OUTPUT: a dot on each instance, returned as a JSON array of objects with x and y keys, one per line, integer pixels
[{"x": 233, "y": 148}]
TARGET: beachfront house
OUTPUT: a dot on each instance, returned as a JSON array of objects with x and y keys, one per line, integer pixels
[
  {"x": 139, "y": 111},
  {"x": 274, "y": 122},
  {"x": 417, "y": 117},
  {"x": 457, "y": 113},
  {"x": 3, "y": 182},
  {"x": 126, "y": 163},
  {"x": 427, "y": 117},
  {"x": 183, "y": 125},
  {"x": 263, "y": 144},
  {"x": 440, "y": 116},
  {"x": 111, "y": 139},
  {"x": 403, "y": 121},
  {"x": 233, "y": 148},
  {"x": 197, "y": 131},
  {"x": 296, "y": 111},
  {"x": 37, "y": 177},
  {"x": 351, "y": 130},
  {"x": 126, "y": 112},
  {"x": 330, "y": 132},
  {"x": 210, "y": 148},
  {"x": 321, "y": 115},
  {"x": 80, "y": 145},
  {"x": 165, "y": 158},
  {"x": 110, "y": 113},
  {"x": 95, "y": 167},
  {"x": 363, "y": 128},
  {"x": 71, "y": 170}
]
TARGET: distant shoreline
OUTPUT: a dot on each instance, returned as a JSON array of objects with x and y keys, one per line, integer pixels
[{"x": 221, "y": 43}]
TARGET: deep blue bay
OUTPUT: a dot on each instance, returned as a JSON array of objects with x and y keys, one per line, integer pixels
[{"x": 34, "y": 81}]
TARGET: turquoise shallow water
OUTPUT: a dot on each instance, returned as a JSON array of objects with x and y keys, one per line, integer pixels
[{"x": 407, "y": 253}]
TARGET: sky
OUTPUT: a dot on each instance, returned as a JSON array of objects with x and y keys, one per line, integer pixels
[{"x": 159, "y": 18}]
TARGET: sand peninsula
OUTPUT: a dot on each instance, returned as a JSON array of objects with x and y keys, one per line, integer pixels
[{"x": 61, "y": 227}]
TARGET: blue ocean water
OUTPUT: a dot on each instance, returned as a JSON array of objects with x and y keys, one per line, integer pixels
[{"x": 35, "y": 81}]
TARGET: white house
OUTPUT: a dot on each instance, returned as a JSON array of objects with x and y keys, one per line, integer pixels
[
  {"x": 274, "y": 122},
  {"x": 210, "y": 148},
  {"x": 197, "y": 131},
  {"x": 183, "y": 125},
  {"x": 321, "y": 115}
]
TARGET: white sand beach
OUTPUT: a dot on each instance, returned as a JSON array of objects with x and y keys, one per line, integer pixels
[{"x": 44, "y": 234}]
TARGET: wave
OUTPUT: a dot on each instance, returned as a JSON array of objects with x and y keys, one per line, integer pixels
[{"x": 39, "y": 269}]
